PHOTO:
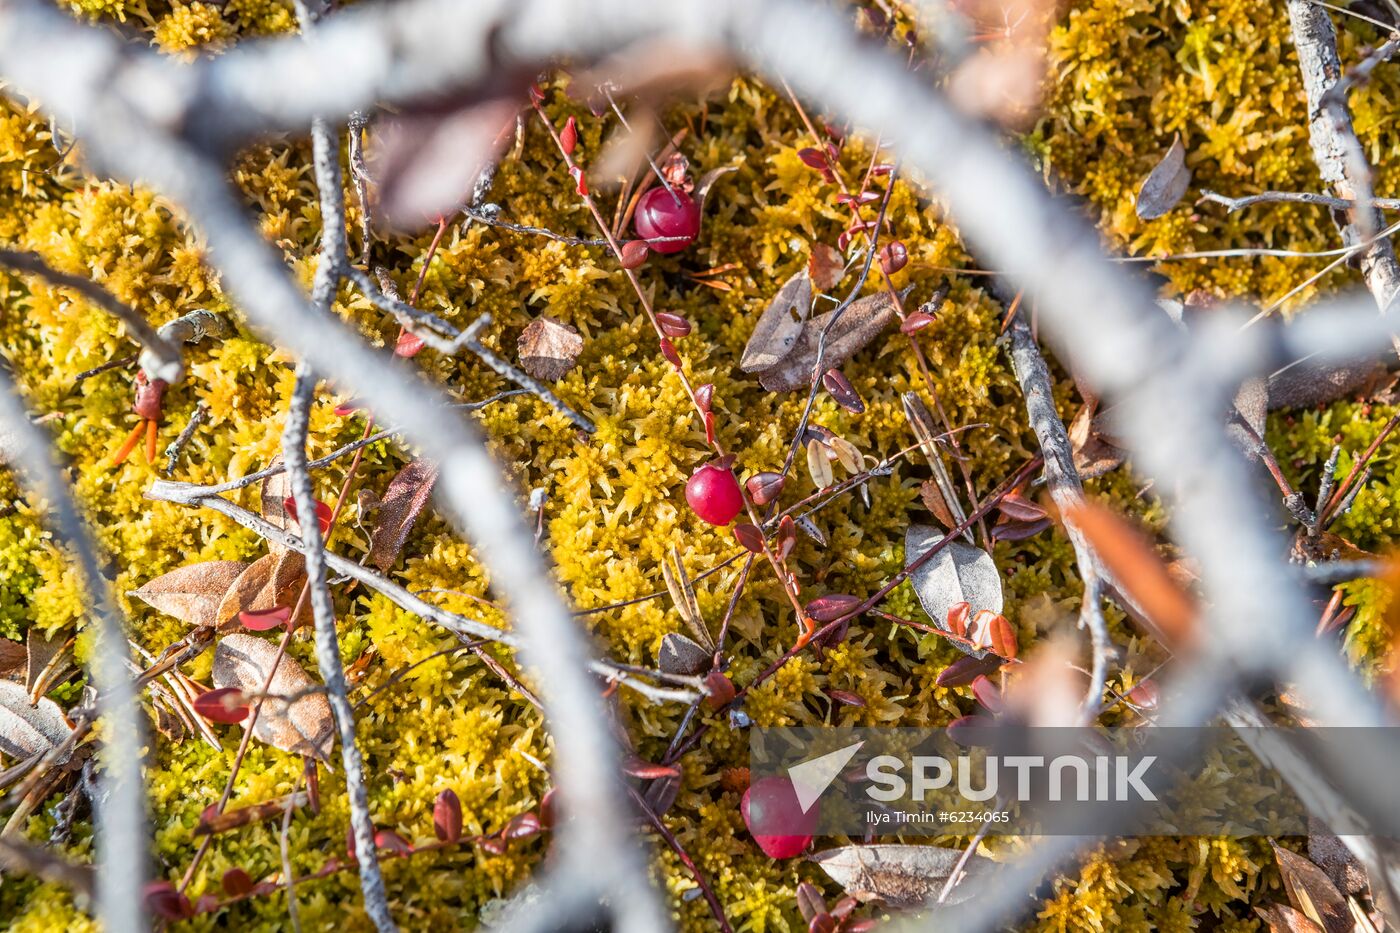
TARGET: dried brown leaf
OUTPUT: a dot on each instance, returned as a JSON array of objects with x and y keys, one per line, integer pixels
[
  {"x": 406, "y": 496},
  {"x": 780, "y": 325},
  {"x": 1312, "y": 892},
  {"x": 270, "y": 581},
  {"x": 193, "y": 593},
  {"x": 847, "y": 454},
  {"x": 1138, "y": 571},
  {"x": 273, "y": 492},
  {"x": 1284, "y": 919},
  {"x": 549, "y": 348},
  {"x": 1094, "y": 454},
  {"x": 933, "y": 501},
  {"x": 13, "y": 658},
  {"x": 27, "y": 729},
  {"x": 46, "y": 660},
  {"x": 826, "y": 267},
  {"x": 303, "y": 725},
  {"x": 1165, "y": 184},
  {"x": 1328, "y": 852},
  {"x": 899, "y": 875},
  {"x": 681, "y": 655},
  {"x": 860, "y": 323}
]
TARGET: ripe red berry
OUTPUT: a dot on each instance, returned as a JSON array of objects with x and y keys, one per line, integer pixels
[
  {"x": 662, "y": 213},
  {"x": 713, "y": 494},
  {"x": 775, "y": 818}
]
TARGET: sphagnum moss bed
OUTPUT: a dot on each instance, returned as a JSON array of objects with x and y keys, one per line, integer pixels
[{"x": 1127, "y": 76}]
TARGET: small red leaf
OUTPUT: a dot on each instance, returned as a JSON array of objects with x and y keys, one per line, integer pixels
[
  {"x": 966, "y": 669},
  {"x": 832, "y": 607},
  {"x": 227, "y": 704},
  {"x": 672, "y": 325},
  {"x": 814, "y": 158},
  {"x": 163, "y": 900},
  {"x": 348, "y": 407},
  {"x": 408, "y": 345},
  {"x": 720, "y": 690},
  {"x": 522, "y": 827},
  {"x": 668, "y": 350},
  {"x": 263, "y": 620},
  {"x": 323, "y": 512},
  {"x": 236, "y": 882},
  {"x": 957, "y": 618},
  {"x": 548, "y": 808},
  {"x": 568, "y": 136},
  {"x": 447, "y": 816},
  {"x": 749, "y": 537},
  {"x": 987, "y": 694},
  {"x": 846, "y": 698},
  {"x": 840, "y": 389},
  {"x": 710, "y": 428},
  {"x": 705, "y": 396},
  {"x": 787, "y": 537},
  {"x": 893, "y": 257},
  {"x": 916, "y": 322},
  {"x": 580, "y": 182},
  {"x": 391, "y": 841},
  {"x": 1145, "y": 695},
  {"x": 647, "y": 770}
]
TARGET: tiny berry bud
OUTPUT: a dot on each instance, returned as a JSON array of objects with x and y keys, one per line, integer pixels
[
  {"x": 668, "y": 220},
  {"x": 568, "y": 136},
  {"x": 713, "y": 494},
  {"x": 765, "y": 487},
  {"x": 893, "y": 257},
  {"x": 776, "y": 819},
  {"x": 812, "y": 158},
  {"x": 633, "y": 253}
]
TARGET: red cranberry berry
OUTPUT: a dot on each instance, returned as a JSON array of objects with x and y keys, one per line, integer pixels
[
  {"x": 662, "y": 213},
  {"x": 772, "y": 813},
  {"x": 714, "y": 495}
]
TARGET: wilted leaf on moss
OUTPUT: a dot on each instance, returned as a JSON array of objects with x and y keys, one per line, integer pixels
[
  {"x": 860, "y": 323},
  {"x": 270, "y": 581},
  {"x": 548, "y": 348},
  {"x": 779, "y": 326},
  {"x": 192, "y": 593},
  {"x": 959, "y": 573},
  {"x": 406, "y": 496},
  {"x": 1165, "y": 184},
  {"x": 1312, "y": 892},
  {"x": 303, "y": 725}
]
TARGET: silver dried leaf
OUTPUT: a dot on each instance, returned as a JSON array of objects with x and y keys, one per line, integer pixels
[
  {"x": 1165, "y": 184},
  {"x": 779, "y": 326},
  {"x": 302, "y": 726},
  {"x": 959, "y": 573},
  {"x": 899, "y": 875},
  {"x": 681, "y": 655},
  {"x": 192, "y": 593},
  {"x": 27, "y": 730},
  {"x": 549, "y": 348},
  {"x": 860, "y": 323}
]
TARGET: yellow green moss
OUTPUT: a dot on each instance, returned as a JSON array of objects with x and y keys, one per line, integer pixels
[{"x": 1129, "y": 76}]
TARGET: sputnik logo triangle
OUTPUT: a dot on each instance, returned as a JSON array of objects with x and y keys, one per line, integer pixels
[{"x": 812, "y": 777}]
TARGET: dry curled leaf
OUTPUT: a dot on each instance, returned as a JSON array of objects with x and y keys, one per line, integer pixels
[
  {"x": 406, "y": 496},
  {"x": 212, "y": 822},
  {"x": 270, "y": 581},
  {"x": 861, "y": 322},
  {"x": 46, "y": 660},
  {"x": 192, "y": 593},
  {"x": 959, "y": 573},
  {"x": 899, "y": 875},
  {"x": 1094, "y": 453},
  {"x": 272, "y": 493},
  {"x": 1312, "y": 892},
  {"x": 549, "y": 348},
  {"x": 27, "y": 729},
  {"x": 819, "y": 464},
  {"x": 1165, "y": 184},
  {"x": 303, "y": 725},
  {"x": 1284, "y": 919},
  {"x": 779, "y": 326},
  {"x": 13, "y": 658}
]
